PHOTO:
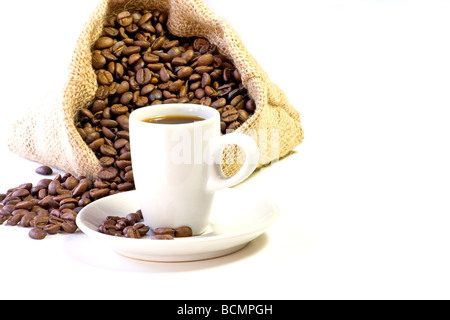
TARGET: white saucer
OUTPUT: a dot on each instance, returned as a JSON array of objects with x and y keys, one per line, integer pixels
[{"x": 236, "y": 220}]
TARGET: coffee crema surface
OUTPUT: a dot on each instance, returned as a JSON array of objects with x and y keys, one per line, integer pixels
[{"x": 174, "y": 119}]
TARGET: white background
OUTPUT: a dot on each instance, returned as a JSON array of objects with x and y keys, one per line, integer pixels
[{"x": 365, "y": 205}]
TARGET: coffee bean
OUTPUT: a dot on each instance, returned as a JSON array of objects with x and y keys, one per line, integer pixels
[
  {"x": 98, "y": 60},
  {"x": 205, "y": 60},
  {"x": 37, "y": 234},
  {"x": 229, "y": 114},
  {"x": 108, "y": 150},
  {"x": 233, "y": 126},
  {"x": 105, "y": 77},
  {"x": 184, "y": 72},
  {"x": 167, "y": 231},
  {"x": 203, "y": 69},
  {"x": 126, "y": 186},
  {"x": 123, "y": 122},
  {"x": 111, "y": 32},
  {"x": 97, "y": 144},
  {"x": 98, "y": 193},
  {"x": 104, "y": 43},
  {"x": 52, "y": 228},
  {"x": 26, "y": 219},
  {"x": 164, "y": 75},
  {"x": 27, "y": 205},
  {"x": 199, "y": 43},
  {"x": 124, "y": 19},
  {"x": 162, "y": 237},
  {"x": 44, "y": 170},
  {"x": 71, "y": 182},
  {"x": 210, "y": 92},
  {"x": 14, "y": 219},
  {"x": 133, "y": 217},
  {"x": 243, "y": 115},
  {"x": 143, "y": 76},
  {"x": 142, "y": 229},
  {"x": 20, "y": 193},
  {"x": 157, "y": 44},
  {"x": 80, "y": 188},
  {"x": 69, "y": 227},
  {"x": 126, "y": 98},
  {"x": 250, "y": 106},
  {"x": 132, "y": 233},
  {"x": 183, "y": 232}
]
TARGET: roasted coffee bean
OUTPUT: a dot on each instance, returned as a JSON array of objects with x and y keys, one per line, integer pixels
[
  {"x": 40, "y": 221},
  {"x": 132, "y": 233},
  {"x": 98, "y": 193},
  {"x": 71, "y": 182},
  {"x": 233, "y": 126},
  {"x": 143, "y": 76},
  {"x": 37, "y": 234},
  {"x": 205, "y": 60},
  {"x": 20, "y": 193},
  {"x": 129, "y": 176},
  {"x": 123, "y": 122},
  {"x": 69, "y": 215},
  {"x": 124, "y": 19},
  {"x": 250, "y": 106},
  {"x": 128, "y": 51},
  {"x": 26, "y": 219},
  {"x": 14, "y": 219},
  {"x": 26, "y": 205},
  {"x": 183, "y": 232},
  {"x": 80, "y": 188},
  {"x": 44, "y": 170},
  {"x": 108, "y": 174},
  {"x": 52, "y": 228},
  {"x": 243, "y": 115},
  {"x": 184, "y": 72},
  {"x": 105, "y": 77},
  {"x": 98, "y": 60},
  {"x": 141, "y": 228},
  {"x": 126, "y": 186},
  {"x": 133, "y": 217},
  {"x": 162, "y": 237},
  {"x": 230, "y": 114},
  {"x": 161, "y": 231},
  {"x": 108, "y": 150},
  {"x": 69, "y": 227},
  {"x": 104, "y": 42},
  {"x": 3, "y": 219},
  {"x": 164, "y": 75}
]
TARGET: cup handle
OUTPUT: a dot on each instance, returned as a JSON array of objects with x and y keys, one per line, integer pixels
[{"x": 217, "y": 179}]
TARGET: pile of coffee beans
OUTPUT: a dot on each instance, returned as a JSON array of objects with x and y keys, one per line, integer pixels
[
  {"x": 52, "y": 205},
  {"x": 131, "y": 226}
]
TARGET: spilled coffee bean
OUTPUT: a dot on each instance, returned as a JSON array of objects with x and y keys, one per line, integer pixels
[
  {"x": 131, "y": 226},
  {"x": 44, "y": 170},
  {"x": 52, "y": 205}
]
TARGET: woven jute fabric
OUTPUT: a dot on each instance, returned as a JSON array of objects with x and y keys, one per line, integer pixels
[{"x": 47, "y": 133}]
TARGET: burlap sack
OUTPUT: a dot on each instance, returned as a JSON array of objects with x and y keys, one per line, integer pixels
[{"x": 47, "y": 134}]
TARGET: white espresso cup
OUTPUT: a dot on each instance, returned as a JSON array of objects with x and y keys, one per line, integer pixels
[{"x": 177, "y": 167}]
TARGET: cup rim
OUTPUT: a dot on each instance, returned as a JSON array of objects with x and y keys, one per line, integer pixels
[{"x": 189, "y": 109}]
